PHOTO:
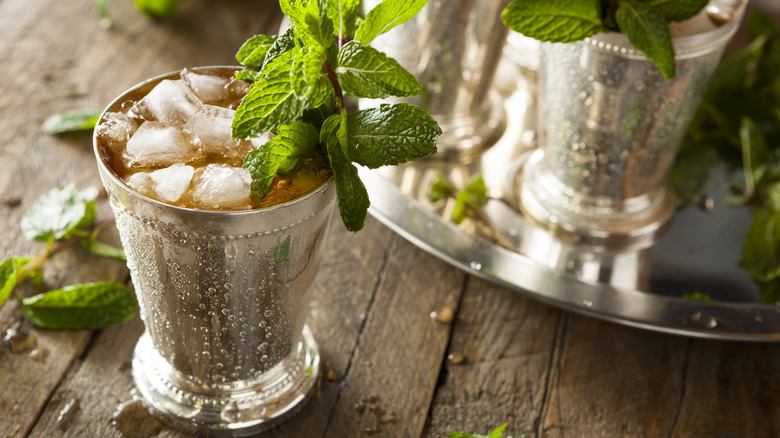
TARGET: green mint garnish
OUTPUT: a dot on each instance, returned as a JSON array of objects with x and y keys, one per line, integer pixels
[
  {"x": 299, "y": 90},
  {"x": 385, "y": 16},
  {"x": 676, "y": 10},
  {"x": 649, "y": 33},
  {"x": 81, "y": 306},
  {"x": 559, "y": 21},
  {"x": 364, "y": 71},
  {"x": 644, "y": 22},
  {"x": 263, "y": 163},
  {"x": 468, "y": 202}
]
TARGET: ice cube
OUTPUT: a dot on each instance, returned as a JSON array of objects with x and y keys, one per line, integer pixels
[
  {"x": 222, "y": 186},
  {"x": 115, "y": 130},
  {"x": 259, "y": 141},
  {"x": 157, "y": 145},
  {"x": 212, "y": 127},
  {"x": 210, "y": 89},
  {"x": 171, "y": 102},
  {"x": 167, "y": 185}
]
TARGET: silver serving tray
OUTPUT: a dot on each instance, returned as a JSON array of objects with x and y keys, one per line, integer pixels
[{"x": 638, "y": 286}]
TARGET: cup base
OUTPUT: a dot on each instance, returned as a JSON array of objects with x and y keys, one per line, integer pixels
[
  {"x": 617, "y": 225},
  {"x": 270, "y": 400}
]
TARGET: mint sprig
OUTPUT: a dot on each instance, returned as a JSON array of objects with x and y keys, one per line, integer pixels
[
  {"x": 303, "y": 79},
  {"x": 644, "y": 22},
  {"x": 738, "y": 123},
  {"x": 59, "y": 218}
]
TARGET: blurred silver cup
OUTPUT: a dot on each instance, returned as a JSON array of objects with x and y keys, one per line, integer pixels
[
  {"x": 453, "y": 47},
  {"x": 224, "y": 296},
  {"x": 609, "y": 129}
]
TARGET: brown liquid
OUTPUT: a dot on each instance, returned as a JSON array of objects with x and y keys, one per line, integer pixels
[{"x": 312, "y": 173}]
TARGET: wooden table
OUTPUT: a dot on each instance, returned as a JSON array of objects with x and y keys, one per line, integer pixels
[{"x": 389, "y": 368}]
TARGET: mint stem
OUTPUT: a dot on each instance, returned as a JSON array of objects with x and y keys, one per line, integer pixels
[
  {"x": 612, "y": 10},
  {"x": 336, "y": 86}
]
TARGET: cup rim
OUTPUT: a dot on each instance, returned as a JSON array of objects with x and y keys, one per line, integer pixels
[{"x": 118, "y": 181}]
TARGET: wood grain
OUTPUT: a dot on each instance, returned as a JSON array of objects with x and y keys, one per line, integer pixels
[
  {"x": 502, "y": 344},
  {"x": 394, "y": 370}
]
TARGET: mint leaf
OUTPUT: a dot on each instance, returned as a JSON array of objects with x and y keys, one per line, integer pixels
[
  {"x": 254, "y": 50},
  {"x": 649, "y": 33},
  {"x": 754, "y": 154},
  {"x": 364, "y": 71},
  {"x": 761, "y": 248},
  {"x": 284, "y": 43},
  {"x": 81, "y": 306},
  {"x": 469, "y": 199},
  {"x": 270, "y": 102},
  {"x": 385, "y": 16},
  {"x": 351, "y": 193},
  {"x": 697, "y": 296},
  {"x": 103, "y": 249},
  {"x": 440, "y": 189},
  {"x": 769, "y": 290},
  {"x": 157, "y": 9},
  {"x": 71, "y": 121},
  {"x": 677, "y": 10},
  {"x": 390, "y": 135},
  {"x": 59, "y": 212},
  {"x": 311, "y": 21},
  {"x": 558, "y": 21},
  {"x": 9, "y": 275},
  {"x": 263, "y": 163},
  {"x": 306, "y": 68},
  {"x": 498, "y": 432},
  {"x": 344, "y": 14}
]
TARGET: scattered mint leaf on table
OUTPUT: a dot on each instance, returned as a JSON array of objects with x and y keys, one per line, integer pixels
[
  {"x": 71, "y": 121},
  {"x": 9, "y": 275},
  {"x": 58, "y": 213},
  {"x": 305, "y": 75},
  {"x": 81, "y": 306},
  {"x": 495, "y": 433},
  {"x": 157, "y": 9}
]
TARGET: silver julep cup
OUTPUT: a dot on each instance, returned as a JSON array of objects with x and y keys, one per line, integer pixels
[
  {"x": 453, "y": 47},
  {"x": 609, "y": 129},
  {"x": 224, "y": 296}
]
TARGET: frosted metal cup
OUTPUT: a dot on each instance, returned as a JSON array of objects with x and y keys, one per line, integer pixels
[
  {"x": 453, "y": 47},
  {"x": 609, "y": 129},
  {"x": 224, "y": 296}
]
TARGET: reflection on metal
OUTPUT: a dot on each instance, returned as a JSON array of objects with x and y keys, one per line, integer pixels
[
  {"x": 635, "y": 286},
  {"x": 453, "y": 47},
  {"x": 610, "y": 128}
]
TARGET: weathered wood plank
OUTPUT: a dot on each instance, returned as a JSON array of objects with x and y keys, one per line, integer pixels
[
  {"x": 730, "y": 390},
  {"x": 394, "y": 370},
  {"x": 500, "y": 353},
  {"x": 609, "y": 380}
]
